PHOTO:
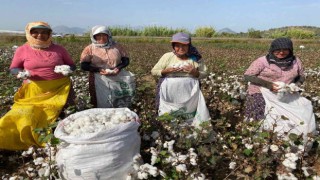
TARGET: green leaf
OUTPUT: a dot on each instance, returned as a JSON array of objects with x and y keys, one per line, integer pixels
[
  {"x": 41, "y": 138},
  {"x": 293, "y": 137},
  {"x": 163, "y": 153},
  {"x": 284, "y": 117},
  {"x": 55, "y": 141},
  {"x": 247, "y": 152},
  {"x": 264, "y": 134},
  {"x": 38, "y": 130}
]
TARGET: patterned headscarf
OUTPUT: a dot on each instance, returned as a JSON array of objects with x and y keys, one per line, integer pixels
[
  {"x": 281, "y": 43},
  {"x": 101, "y": 29},
  {"x": 35, "y": 42}
]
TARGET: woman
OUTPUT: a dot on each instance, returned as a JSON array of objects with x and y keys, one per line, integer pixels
[
  {"x": 109, "y": 84},
  {"x": 272, "y": 92},
  {"x": 178, "y": 89},
  {"x": 42, "y": 95},
  {"x": 279, "y": 65}
]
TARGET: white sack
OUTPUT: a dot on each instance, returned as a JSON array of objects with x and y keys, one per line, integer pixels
[
  {"x": 296, "y": 108},
  {"x": 102, "y": 155},
  {"x": 115, "y": 91}
]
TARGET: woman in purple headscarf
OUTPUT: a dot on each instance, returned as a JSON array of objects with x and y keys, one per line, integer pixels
[{"x": 179, "y": 73}]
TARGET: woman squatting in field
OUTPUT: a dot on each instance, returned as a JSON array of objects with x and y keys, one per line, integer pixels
[
  {"x": 178, "y": 89},
  {"x": 44, "y": 92}
]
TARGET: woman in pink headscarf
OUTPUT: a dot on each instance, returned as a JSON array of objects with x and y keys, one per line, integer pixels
[{"x": 44, "y": 91}]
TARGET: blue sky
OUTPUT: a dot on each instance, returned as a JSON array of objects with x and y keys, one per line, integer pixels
[{"x": 238, "y": 15}]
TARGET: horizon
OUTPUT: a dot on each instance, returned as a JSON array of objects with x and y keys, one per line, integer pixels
[{"x": 217, "y": 30}]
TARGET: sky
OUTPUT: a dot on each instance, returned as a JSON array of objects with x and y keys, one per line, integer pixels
[{"x": 237, "y": 15}]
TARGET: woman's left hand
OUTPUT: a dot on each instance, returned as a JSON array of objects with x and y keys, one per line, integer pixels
[
  {"x": 116, "y": 71},
  {"x": 191, "y": 70}
]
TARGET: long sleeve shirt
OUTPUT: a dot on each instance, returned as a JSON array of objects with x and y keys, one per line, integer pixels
[
  {"x": 102, "y": 57},
  {"x": 271, "y": 72},
  {"x": 41, "y": 63},
  {"x": 170, "y": 59}
]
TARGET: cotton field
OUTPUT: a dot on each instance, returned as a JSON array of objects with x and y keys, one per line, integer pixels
[{"x": 225, "y": 148}]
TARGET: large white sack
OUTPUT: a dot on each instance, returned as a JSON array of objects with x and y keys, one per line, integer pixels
[
  {"x": 102, "y": 155},
  {"x": 297, "y": 109}
]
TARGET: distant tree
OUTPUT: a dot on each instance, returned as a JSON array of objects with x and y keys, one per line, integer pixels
[
  {"x": 300, "y": 33},
  {"x": 205, "y": 32},
  {"x": 252, "y": 33}
]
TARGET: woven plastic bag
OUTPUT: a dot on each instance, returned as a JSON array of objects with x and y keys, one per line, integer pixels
[{"x": 102, "y": 155}]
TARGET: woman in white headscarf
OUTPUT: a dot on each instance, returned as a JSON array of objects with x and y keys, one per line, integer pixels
[{"x": 109, "y": 84}]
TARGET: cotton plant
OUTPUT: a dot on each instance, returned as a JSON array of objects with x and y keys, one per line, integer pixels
[
  {"x": 63, "y": 69},
  {"x": 167, "y": 157},
  {"x": 42, "y": 164},
  {"x": 142, "y": 170},
  {"x": 255, "y": 151}
]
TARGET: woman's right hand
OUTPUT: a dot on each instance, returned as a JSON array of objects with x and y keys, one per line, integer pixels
[
  {"x": 275, "y": 87},
  {"x": 104, "y": 72},
  {"x": 170, "y": 70},
  {"x": 109, "y": 72}
]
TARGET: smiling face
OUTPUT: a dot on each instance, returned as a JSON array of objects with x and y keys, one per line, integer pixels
[
  {"x": 101, "y": 38},
  {"x": 181, "y": 49},
  {"x": 40, "y": 34},
  {"x": 281, "y": 53}
]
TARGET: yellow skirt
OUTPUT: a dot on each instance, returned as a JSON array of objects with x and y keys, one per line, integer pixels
[{"x": 36, "y": 105}]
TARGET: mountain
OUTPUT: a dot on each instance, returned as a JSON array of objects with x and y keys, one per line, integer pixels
[
  {"x": 68, "y": 30},
  {"x": 226, "y": 30}
]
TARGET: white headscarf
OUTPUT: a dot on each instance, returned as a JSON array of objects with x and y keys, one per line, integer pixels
[{"x": 101, "y": 29}]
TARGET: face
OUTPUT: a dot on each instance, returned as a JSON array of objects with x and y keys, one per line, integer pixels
[
  {"x": 40, "y": 34},
  {"x": 101, "y": 38},
  {"x": 281, "y": 53},
  {"x": 181, "y": 49}
]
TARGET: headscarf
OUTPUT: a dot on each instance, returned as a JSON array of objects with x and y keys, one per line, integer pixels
[
  {"x": 35, "y": 43},
  {"x": 184, "y": 38},
  {"x": 101, "y": 29},
  {"x": 281, "y": 43}
]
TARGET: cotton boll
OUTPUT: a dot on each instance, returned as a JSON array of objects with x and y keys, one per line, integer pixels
[
  {"x": 109, "y": 71},
  {"x": 23, "y": 74},
  {"x": 175, "y": 66},
  {"x": 142, "y": 175},
  {"x": 101, "y": 118},
  {"x": 63, "y": 69},
  {"x": 181, "y": 168},
  {"x": 97, "y": 122},
  {"x": 122, "y": 118},
  {"x": 293, "y": 87},
  {"x": 182, "y": 158},
  {"x": 281, "y": 85},
  {"x": 115, "y": 119},
  {"x": 185, "y": 64}
]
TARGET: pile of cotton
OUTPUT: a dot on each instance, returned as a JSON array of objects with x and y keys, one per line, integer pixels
[{"x": 98, "y": 121}]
